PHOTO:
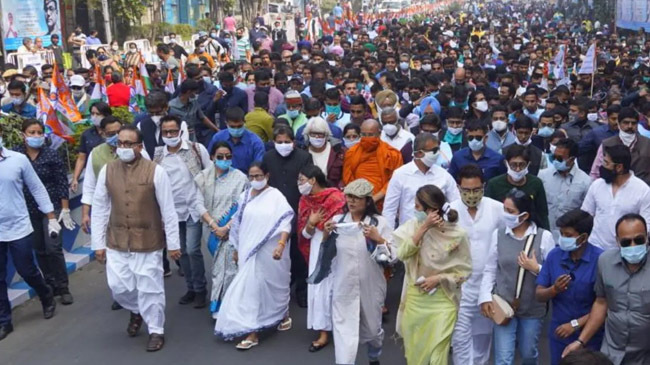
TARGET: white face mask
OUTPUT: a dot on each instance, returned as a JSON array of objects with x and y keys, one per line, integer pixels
[
  {"x": 404, "y": 66},
  {"x": 17, "y": 100},
  {"x": 455, "y": 131},
  {"x": 132, "y": 50},
  {"x": 156, "y": 119},
  {"x": 482, "y": 106},
  {"x": 125, "y": 154},
  {"x": 331, "y": 63},
  {"x": 317, "y": 142},
  {"x": 426, "y": 68},
  {"x": 510, "y": 220},
  {"x": 96, "y": 119},
  {"x": 517, "y": 175},
  {"x": 517, "y": 46},
  {"x": 528, "y": 141},
  {"x": 626, "y": 138},
  {"x": 499, "y": 125},
  {"x": 390, "y": 129},
  {"x": 77, "y": 93},
  {"x": 115, "y": 48},
  {"x": 429, "y": 158},
  {"x": 592, "y": 117},
  {"x": 305, "y": 188},
  {"x": 259, "y": 185},
  {"x": 172, "y": 142},
  {"x": 305, "y": 57},
  {"x": 284, "y": 149}
]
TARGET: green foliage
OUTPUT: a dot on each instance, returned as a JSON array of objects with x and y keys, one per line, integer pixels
[
  {"x": 122, "y": 113},
  {"x": 184, "y": 30},
  {"x": 131, "y": 10},
  {"x": 327, "y": 6},
  {"x": 11, "y": 125},
  {"x": 204, "y": 24},
  {"x": 454, "y": 7},
  {"x": 151, "y": 31}
]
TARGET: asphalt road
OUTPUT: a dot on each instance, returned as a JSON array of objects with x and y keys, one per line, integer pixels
[{"x": 88, "y": 332}]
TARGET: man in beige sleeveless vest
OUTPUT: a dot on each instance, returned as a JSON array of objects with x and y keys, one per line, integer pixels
[{"x": 133, "y": 217}]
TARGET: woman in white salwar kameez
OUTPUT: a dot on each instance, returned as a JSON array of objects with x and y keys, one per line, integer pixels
[
  {"x": 359, "y": 285},
  {"x": 258, "y": 297}
]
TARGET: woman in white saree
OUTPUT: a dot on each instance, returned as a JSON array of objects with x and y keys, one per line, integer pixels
[{"x": 258, "y": 297}]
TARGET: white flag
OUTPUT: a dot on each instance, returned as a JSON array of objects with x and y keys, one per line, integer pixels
[{"x": 589, "y": 63}]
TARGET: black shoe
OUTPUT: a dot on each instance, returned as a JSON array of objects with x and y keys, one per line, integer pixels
[
  {"x": 301, "y": 299},
  {"x": 156, "y": 342},
  {"x": 5, "y": 330},
  {"x": 167, "y": 273},
  {"x": 49, "y": 306},
  {"x": 200, "y": 300},
  {"x": 187, "y": 298},
  {"x": 376, "y": 362},
  {"x": 316, "y": 348},
  {"x": 115, "y": 306},
  {"x": 66, "y": 297},
  {"x": 135, "y": 322}
]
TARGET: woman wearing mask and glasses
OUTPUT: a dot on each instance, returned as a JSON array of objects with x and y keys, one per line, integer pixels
[
  {"x": 318, "y": 204},
  {"x": 219, "y": 187},
  {"x": 90, "y": 138},
  {"x": 504, "y": 259},
  {"x": 326, "y": 152},
  {"x": 52, "y": 172},
  {"x": 436, "y": 255},
  {"x": 258, "y": 297}
]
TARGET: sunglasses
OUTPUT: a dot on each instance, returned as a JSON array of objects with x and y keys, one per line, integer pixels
[
  {"x": 559, "y": 159},
  {"x": 472, "y": 138},
  {"x": 638, "y": 241},
  {"x": 434, "y": 150},
  {"x": 76, "y": 87}
]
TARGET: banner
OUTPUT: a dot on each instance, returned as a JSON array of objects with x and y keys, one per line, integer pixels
[
  {"x": 633, "y": 14},
  {"x": 29, "y": 18}
]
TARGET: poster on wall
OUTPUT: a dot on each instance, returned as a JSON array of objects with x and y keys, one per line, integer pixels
[
  {"x": 633, "y": 14},
  {"x": 29, "y": 18}
]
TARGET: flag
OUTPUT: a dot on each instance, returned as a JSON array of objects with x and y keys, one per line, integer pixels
[
  {"x": 589, "y": 63},
  {"x": 47, "y": 113},
  {"x": 138, "y": 92},
  {"x": 181, "y": 73},
  {"x": 99, "y": 90},
  {"x": 169, "y": 83},
  {"x": 144, "y": 77},
  {"x": 61, "y": 97}
]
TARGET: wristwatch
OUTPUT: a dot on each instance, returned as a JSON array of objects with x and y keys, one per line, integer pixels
[{"x": 575, "y": 324}]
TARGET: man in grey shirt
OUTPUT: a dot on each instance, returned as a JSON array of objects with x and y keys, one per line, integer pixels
[
  {"x": 622, "y": 297},
  {"x": 186, "y": 107}
]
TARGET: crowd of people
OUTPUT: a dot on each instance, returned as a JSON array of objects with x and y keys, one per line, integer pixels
[{"x": 478, "y": 150}]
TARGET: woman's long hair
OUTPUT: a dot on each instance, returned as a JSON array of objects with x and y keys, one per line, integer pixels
[{"x": 431, "y": 197}]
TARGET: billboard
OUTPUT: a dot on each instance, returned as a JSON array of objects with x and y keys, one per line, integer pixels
[
  {"x": 29, "y": 18},
  {"x": 633, "y": 14}
]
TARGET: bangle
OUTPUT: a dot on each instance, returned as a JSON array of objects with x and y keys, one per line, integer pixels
[
  {"x": 282, "y": 243},
  {"x": 580, "y": 342}
]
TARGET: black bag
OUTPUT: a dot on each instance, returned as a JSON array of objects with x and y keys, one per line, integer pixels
[{"x": 325, "y": 257}]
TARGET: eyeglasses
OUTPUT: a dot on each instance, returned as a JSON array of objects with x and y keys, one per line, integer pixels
[
  {"x": 638, "y": 241},
  {"x": 518, "y": 165},
  {"x": 316, "y": 135},
  {"x": 76, "y": 88},
  {"x": 258, "y": 177},
  {"x": 434, "y": 150},
  {"x": 222, "y": 157},
  {"x": 472, "y": 138},
  {"x": 171, "y": 132},
  {"x": 127, "y": 144},
  {"x": 560, "y": 158}
]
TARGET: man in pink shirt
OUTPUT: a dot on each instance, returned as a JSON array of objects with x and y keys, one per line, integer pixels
[{"x": 229, "y": 23}]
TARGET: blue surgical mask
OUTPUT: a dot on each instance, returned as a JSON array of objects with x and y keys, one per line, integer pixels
[
  {"x": 545, "y": 131},
  {"x": 236, "y": 132},
  {"x": 475, "y": 144},
  {"x": 333, "y": 109},
  {"x": 560, "y": 166},
  {"x": 223, "y": 164},
  {"x": 568, "y": 243},
  {"x": 35, "y": 142},
  {"x": 112, "y": 141},
  {"x": 207, "y": 80},
  {"x": 293, "y": 114},
  {"x": 420, "y": 215},
  {"x": 634, "y": 254},
  {"x": 511, "y": 118}
]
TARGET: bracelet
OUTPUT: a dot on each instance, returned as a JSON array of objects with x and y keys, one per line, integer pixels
[
  {"x": 282, "y": 243},
  {"x": 580, "y": 342}
]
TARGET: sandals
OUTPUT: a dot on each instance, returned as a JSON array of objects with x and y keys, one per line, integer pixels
[
  {"x": 156, "y": 342},
  {"x": 246, "y": 345},
  {"x": 135, "y": 322},
  {"x": 285, "y": 325}
]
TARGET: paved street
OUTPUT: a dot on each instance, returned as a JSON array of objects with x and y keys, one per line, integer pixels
[{"x": 88, "y": 332}]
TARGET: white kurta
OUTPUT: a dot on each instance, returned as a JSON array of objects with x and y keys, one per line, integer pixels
[
  {"x": 359, "y": 290},
  {"x": 319, "y": 296},
  {"x": 258, "y": 297}
]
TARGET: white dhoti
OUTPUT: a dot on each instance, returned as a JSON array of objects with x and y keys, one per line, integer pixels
[
  {"x": 136, "y": 281},
  {"x": 319, "y": 296},
  {"x": 472, "y": 337}
]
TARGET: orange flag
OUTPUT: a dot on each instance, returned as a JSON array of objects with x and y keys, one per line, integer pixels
[{"x": 62, "y": 98}]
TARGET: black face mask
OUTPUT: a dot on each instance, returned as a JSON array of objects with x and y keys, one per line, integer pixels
[
  {"x": 282, "y": 88},
  {"x": 414, "y": 96},
  {"x": 607, "y": 174},
  {"x": 265, "y": 89}
]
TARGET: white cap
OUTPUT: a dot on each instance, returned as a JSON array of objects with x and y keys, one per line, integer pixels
[
  {"x": 77, "y": 80},
  {"x": 448, "y": 33}
]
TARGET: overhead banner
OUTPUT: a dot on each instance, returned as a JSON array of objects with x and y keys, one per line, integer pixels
[
  {"x": 633, "y": 14},
  {"x": 29, "y": 18}
]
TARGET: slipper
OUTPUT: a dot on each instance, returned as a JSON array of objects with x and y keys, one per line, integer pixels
[
  {"x": 247, "y": 345},
  {"x": 285, "y": 325},
  {"x": 315, "y": 347}
]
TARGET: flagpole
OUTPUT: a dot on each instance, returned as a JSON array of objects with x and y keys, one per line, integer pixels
[{"x": 593, "y": 71}]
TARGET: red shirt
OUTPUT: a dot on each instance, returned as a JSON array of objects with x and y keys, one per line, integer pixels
[{"x": 118, "y": 94}]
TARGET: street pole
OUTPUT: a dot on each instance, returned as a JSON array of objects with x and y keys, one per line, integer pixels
[{"x": 107, "y": 21}]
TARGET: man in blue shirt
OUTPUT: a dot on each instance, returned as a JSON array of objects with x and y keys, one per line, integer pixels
[
  {"x": 588, "y": 146},
  {"x": 246, "y": 146},
  {"x": 227, "y": 97},
  {"x": 16, "y": 231},
  {"x": 477, "y": 153},
  {"x": 567, "y": 278},
  {"x": 19, "y": 104}
]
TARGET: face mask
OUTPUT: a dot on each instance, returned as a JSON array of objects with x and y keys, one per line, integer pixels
[
  {"x": 132, "y": 50},
  {"x": 414, "y": 96},
  {"x": 317, "y": 142},
  {"x": 284, "y": 149},
  {"x": 404, "y": 66},
  {"x": 560, "y": 166},
  {"x": 471, "y": 199},
  {"x": 568, "y": 243},
  {"x": 455, "y": 131},
  {"x": 517, "y": 175},
  {"x": 172, "y": 142},
  {"x": 482, "y": 106},
  {"x": 634, "y": 254},
  {"x": 194, "y": 99},
  {"x": 510, "y": 220},
  {"x": 426, "y": 67},
  {"x": 115, "y": 48},
  {"x": 214, "y": 35},
  {"x": 475, "y": 145},
  {"x": 626, "y": 138},
  {"x": 223, "y": 164},
  {"x": 236, "y": 132},
  {"x": 545, "y": 132},
  {"x": 511, "y": 118},
  {"x": 592, "y": 117},
  {"x": 96, "y": 119},
  {"x": 369, "y": 143},
  {"x": 305, "y": 57},
  {"x": 18, "y": 100},
  {"x": 420, "y": 215},
  {"x": 173, "y": 40},
  {"x": 258, "y": 185},
  {"x": 429, "y": 158},
  {"x": 293, "y": 114},
  {"x": 35, "y": 142},
  {"x": 552, "y": 148},
  {"x": 201, "y": 49},
  {"x": 305, "y": 188},
  {"x": 517, "y": 46},
  {"x": 542, "y": 102},
  {"x": 333, "y": 109},
  {"x": 156, "y": 119},
  {"x": 390, "y": 129},
  {"x": 349, "y": 143},
  {"x": 607, "y": 174},
  {"x": 207, "y": 79},
  {"x": 572, "y": 118},
  {"x": 525, "y": 143},
  {"x": 77, "y": 93},
  {"x": 331, "y": 63},
  {"x": 112, "y": 141},
  {"x": 264, "y": 89},
  {"x": 126, "y": 154},
  {"x": 499, "y": 125}
]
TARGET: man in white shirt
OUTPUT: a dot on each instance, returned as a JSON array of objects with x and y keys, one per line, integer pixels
[
  {"x": 133, "y": 218},
  {"x": 565, "y": 184},
  {"x": 616, "y": 193},
  {"x": 406, "y": 180},
  {"x": 395, "y": 135},
  {"x": 480, "y": 217},
  {"x": 183, "y": 160}
]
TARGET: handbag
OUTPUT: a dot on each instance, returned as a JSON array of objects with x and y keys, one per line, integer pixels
[
  {"x": 504, "y": 311},
  {"x": 326, "y": 255}
]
